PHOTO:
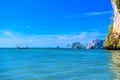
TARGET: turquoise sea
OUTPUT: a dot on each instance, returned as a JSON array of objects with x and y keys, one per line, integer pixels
[{"x": 59, "y": 64}]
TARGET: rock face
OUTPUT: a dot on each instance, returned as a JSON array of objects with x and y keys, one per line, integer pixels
[
  {"x": 112, "y": 40},
  {"x": 116, "y": 24}
]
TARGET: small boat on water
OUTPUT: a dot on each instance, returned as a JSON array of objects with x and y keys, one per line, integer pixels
[{"x": 22, "y": 47}]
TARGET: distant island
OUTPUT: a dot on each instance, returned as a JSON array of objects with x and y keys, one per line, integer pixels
[
  {"x": 112, "y": 41},
  {"x": 96, "y": 44},
  {"x": 75, "y": 45}
]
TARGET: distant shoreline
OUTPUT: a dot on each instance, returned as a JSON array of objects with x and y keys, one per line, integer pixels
[{"x": 57, "y": 48}]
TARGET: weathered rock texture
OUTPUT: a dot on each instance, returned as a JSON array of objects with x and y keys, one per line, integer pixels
[
  {"x": 116, "y": 24},
  {"x": 113, "y": 37}
]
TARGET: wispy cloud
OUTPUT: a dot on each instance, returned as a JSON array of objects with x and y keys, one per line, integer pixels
[
  {"x": 13, "y": 39},
  {"x": 8, "y": 33},
  {"x": 98, "y": 13},
  {"x": 90, "y": 14}
]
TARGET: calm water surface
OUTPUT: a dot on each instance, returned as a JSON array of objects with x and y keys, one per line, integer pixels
[{"x": 59, "y": 64}]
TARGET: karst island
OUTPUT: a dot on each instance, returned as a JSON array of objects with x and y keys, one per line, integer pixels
[{"x": 112, "y": 41}]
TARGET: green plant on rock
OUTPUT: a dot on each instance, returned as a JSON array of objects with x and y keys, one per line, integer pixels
[
  {"x": 110, "y": 29},
  {"x": 108, "y": 41},
  {"x": 118, "y": 45},
  {"x": 118, "y": 4}
]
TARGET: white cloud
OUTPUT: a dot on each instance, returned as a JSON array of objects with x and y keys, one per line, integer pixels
[
  {"x": 8, "y": 33},
  {"x": 90, "y": 14},
  {"x": 46, "y": 40},
  {"x": 98, "y": 13}
]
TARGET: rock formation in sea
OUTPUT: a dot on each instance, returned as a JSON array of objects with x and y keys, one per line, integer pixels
[
  {"x": 96, "y": 44},
  {"x": 75, "y": 45},
  {"x": 89, "y": 46},
  {"x": 69, "y": 46},
  {"x": 112, "y": 40}
]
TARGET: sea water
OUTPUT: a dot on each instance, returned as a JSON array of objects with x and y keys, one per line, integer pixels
[{"x": 58, "y": 64}]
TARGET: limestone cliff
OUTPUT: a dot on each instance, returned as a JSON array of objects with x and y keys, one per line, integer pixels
[
  {"x": 116, "y": 24},
  {"x": 113, "y": 38}
]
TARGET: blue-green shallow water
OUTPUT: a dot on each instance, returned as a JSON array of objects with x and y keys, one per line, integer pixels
[{"x": 56, "y": 64}]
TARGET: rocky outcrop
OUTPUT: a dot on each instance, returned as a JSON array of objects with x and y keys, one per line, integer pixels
[
  {"x": 96, "y": 44},
  {"x": 116, "y": 24},
  {"x": 76, "y": 45},
  {"x": 112, "y": 40}
]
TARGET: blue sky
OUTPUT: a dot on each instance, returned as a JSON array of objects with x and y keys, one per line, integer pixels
[{"x": 48, "y": 23}]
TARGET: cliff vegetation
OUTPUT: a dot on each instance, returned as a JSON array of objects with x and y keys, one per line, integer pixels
[{"x": 112, "y": 40}]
